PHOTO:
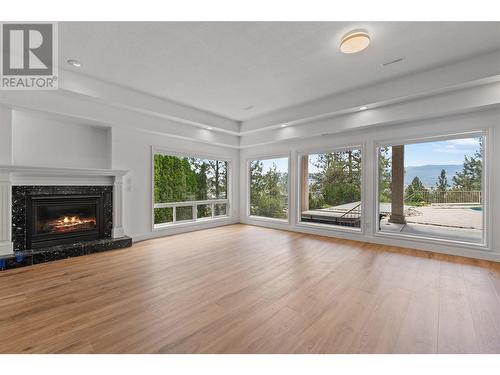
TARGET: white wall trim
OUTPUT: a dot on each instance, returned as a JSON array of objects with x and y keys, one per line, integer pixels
[
  {"x": 384, "y": 240},
  {"x": 178, "y": 229}
]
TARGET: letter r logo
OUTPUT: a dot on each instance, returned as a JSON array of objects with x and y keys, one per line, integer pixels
[{"x": 27, "y": 49}]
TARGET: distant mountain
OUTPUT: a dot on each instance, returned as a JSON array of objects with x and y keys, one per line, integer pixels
[{"x": 428, "y": 174}]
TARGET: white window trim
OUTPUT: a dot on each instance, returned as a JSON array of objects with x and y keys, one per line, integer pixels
[
  {"x": 195, "y": 221},
  {"x": 247, "y": 187},
  {"x": 486, "y": 191},
  {"x": 338, "y": 228}
]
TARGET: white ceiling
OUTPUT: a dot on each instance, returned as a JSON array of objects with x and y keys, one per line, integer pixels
[{"x": 226, "y": 67}]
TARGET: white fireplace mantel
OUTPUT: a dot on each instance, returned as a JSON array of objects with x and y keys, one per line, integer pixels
[{"x": 11, "y": 175}]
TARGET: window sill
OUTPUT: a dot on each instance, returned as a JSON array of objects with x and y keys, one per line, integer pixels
[
  {"x": 434, "y": 241},
  {"x": 268, "y": 219},
  {"x": 188, "y": 223},
  {"x": 334, "y": 228}
]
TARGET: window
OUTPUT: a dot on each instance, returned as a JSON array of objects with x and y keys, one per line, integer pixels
[
  {"x": 269, "y": 188},
  {"x": 330, "y": 188},
  {"x": 189, "y": 189},
  {"x": 433, "y": 189}
]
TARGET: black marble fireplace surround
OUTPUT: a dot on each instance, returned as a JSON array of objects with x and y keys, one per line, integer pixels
[{"x": 74, "y": 244}]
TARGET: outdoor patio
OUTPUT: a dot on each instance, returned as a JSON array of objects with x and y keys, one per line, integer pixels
[
  {"x": 450, "y": 222},
  {"x": 445, "y": 221}
]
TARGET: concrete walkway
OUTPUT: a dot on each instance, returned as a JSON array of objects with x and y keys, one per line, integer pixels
[
  {"x": 441, "y": 215},
  {"x": 433, "y": 231}
]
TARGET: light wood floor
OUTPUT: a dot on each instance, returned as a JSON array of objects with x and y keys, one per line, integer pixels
[{"x": 244, "y": 289}]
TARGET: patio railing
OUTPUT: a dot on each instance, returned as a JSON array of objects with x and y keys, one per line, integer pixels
[{"x": 446, "y": 197}]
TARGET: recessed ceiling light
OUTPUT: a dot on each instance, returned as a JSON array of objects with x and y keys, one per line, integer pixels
[
  {"x": 354, "y": 41},
  {"x": 209, "y": 128},
  {"x": 75, "y": 63},
  {"x": 363, "y": 108},
  {"x": 283, "y": 126}
]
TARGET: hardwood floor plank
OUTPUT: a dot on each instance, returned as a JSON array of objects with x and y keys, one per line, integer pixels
[{"x": 245, "y": 289}]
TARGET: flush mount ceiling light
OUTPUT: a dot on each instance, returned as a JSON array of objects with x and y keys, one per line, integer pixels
[
  {"x": 74, "y": 63},
  {"x": 354, "y": 41}
]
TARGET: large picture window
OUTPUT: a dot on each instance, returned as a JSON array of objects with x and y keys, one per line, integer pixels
[
  {"x": 330, "y": 188},
  {"x": 433, "y": 189},
  {"x": 189, "y": 189},
  {"x": 269, "y": 188}
]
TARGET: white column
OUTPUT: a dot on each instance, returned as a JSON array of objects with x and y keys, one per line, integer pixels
[
  {"x": 118, "y": 207},
  {"x": 6, "y": 246}
]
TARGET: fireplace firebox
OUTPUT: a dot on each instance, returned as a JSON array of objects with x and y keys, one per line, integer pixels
[{"x": 61, "y": 219}]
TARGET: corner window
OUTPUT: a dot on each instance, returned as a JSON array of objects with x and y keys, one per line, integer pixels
[
  {"x": 268, "y": 190},
  {"x": 433, "y": 189},
  {"x": 330, "y": 188},
  {"x": 188, "y": 189}
]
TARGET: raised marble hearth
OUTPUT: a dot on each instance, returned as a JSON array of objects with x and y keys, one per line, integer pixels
[{"x": 30, "y": 257}]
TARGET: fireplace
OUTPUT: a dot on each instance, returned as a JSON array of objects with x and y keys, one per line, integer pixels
[
  {"x": 80, "y": 214},
  {"x": 60, "y": 219},
  {"x": 44, "y": 217}
]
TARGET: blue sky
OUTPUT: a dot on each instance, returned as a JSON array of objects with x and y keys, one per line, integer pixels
[
  {"x": 282, "y": 164},
  {"x": 442, "y": 152}
]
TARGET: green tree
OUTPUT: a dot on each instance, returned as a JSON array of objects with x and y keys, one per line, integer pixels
[
  {"x": 337, "y": 179},
  {"x": 442, "y": 182},
  {"x": 415, "y": 191},
  {"x": 268, "y": 191},
  {"x": 178, "y": 179},
  {"x": 470, "y": 178},
  {"x": 385, "y": 174}
]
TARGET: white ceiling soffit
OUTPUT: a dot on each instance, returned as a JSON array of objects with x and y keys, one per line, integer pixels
[
  {"x": 472, "y": 99},
  {"x": 479, "y": 70},
  {"x": 122, "y": 97},
  {"x": 243, "y": 70},
  {"x": 62, "y": 104}
]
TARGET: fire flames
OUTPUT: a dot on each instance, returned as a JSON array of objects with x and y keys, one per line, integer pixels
[{"x": 71, "y": 223}]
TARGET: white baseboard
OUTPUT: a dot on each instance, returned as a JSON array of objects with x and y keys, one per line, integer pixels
[
  {"x": 183, "y": 229},
  {"x": 462, "y": 251},
  {"x": 6, "y": 248}
]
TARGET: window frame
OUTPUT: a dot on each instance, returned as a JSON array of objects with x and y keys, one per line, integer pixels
[
  {"x": 194, "y": 221},
  {"x": 248, "y": 160},
  {"x": 312, "y": 151},
  {"x": 485, "y": 181}
]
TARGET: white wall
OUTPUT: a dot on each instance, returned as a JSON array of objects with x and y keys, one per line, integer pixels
[
  {"x": 132, "y": 151},
  {"x": 5, "y": 136},
  {"x": 368, "y": 138},
  {"x": 48, "y": 142},
  {"x": 45, "y": 140}
]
